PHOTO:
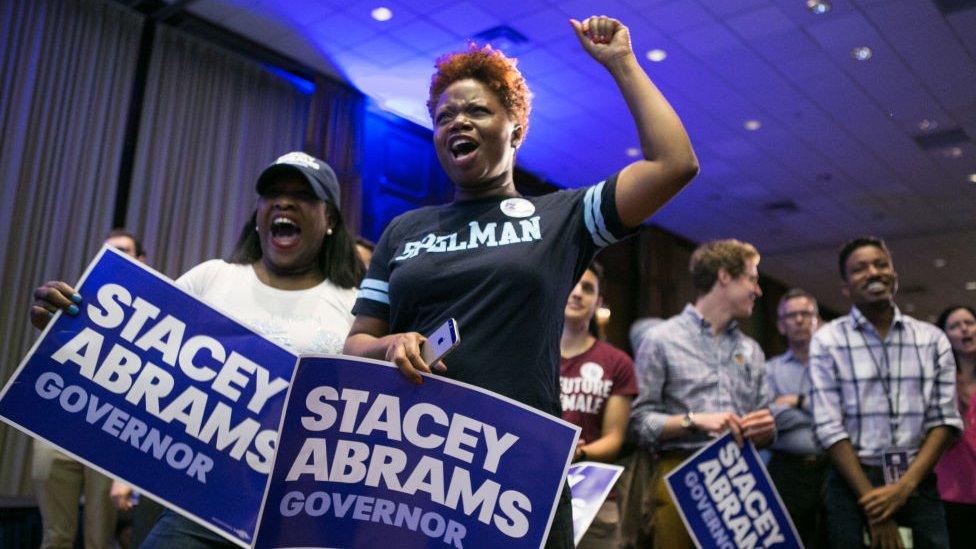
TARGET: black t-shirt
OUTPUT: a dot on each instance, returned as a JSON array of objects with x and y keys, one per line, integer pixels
[{"x": 503, "y": 267}]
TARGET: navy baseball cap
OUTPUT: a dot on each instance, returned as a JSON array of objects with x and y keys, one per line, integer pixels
[{"x": 318, "y": 174}]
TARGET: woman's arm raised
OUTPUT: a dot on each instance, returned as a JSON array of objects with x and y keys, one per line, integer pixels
[{"x": 669, "y": 162}]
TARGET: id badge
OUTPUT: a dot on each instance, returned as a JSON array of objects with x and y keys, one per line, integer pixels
[{"x": 894, "y": 463}]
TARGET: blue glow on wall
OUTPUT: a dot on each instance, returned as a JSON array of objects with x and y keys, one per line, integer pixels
[
  {"x": 303, "y": 85},
  {"x": 400, "y": 171}
]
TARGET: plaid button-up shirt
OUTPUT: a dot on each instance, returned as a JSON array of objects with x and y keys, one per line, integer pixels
[
  {"x": 682, "y": 367},
  {"x": 881, "y": 394}
]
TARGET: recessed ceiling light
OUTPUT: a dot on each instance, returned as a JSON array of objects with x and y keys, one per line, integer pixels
[
  {"x": 382, "y": 14},
  {"x": 657, "y": 55},
  {"x": 862, "y": 53},
  {"x": 752, "y": 125},
  {"x": 952, "y": 152},
  {"x": 939, "y": 263},
  {"x": 971, "y": 285},
  {"x": 927, "y": 125},
  {"x": 633, "y": 152},
  {"x": 972, "y": 178},
  {"x": 818, "y": 7}
]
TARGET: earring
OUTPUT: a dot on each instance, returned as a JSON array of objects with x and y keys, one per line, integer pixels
[{"x": 329, "y": 231}]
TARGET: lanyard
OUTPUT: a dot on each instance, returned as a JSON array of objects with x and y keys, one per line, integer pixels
[{"x": 894, "y": 419}]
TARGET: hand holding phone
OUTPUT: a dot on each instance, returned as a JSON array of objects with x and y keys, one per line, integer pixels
[{"x": 440, "y": 343}]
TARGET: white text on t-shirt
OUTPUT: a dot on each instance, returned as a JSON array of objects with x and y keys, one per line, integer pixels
[{"x": 490, "y": 235}]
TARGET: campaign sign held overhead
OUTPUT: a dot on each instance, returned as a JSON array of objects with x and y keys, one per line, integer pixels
[
  {"x": 727, "y": 499},
  {"x": 367, "y": 459},
  {"x": 152, "y": 386}
]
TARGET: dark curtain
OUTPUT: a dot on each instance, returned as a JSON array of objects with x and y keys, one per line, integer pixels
[
  {"x": 211, "y": 122},
  {"x": 66, "y": 72},
  {"x": 335, "y": 134}
]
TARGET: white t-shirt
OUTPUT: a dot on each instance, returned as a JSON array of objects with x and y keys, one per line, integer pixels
[{"x": 315, "y": 320}]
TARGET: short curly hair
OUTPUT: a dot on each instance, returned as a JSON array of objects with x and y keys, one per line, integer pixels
[
  {"x": 729, "y": 254},
  {"x": 493, "y": 69}
]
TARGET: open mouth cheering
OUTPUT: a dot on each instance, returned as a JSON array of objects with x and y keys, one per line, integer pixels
[{"x": 285, "y": 233}]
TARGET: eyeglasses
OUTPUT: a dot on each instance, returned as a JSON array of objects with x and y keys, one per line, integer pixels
[{"x": 795, "y": 315}]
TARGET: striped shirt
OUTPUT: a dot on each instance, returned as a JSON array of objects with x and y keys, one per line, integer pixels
[
  {"x": 502, "y": 267},
  {"x": 881, "y": 394},
  {"x": 682, "y": 367}
]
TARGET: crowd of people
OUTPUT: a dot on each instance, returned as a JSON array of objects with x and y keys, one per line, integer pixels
[
  {"x": 844, "y": 397},
  {"x": 847, "y": 395}
]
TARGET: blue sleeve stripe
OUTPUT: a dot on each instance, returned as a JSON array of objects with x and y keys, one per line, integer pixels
[
  {"x": 588, "y": 218},
  {"x": 374, "y": 284},
  {"x": 593, "y": 216},
  {"x": 598, "y": 214},
  {"x": 373, "y": 295}
]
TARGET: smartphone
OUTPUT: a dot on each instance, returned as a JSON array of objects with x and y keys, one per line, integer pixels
[{"x": 440, "y": 342}]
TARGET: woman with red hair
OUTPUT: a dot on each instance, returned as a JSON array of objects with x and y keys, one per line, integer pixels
[{"x": 502, "y": 264}]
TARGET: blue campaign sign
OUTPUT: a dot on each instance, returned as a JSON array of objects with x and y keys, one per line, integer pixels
[
  {"x": 367, "y": 459},
  {"x": 727, "y": 499},
  {"x": 590, "y": 484},
  {"x": 152, "y": 386}
]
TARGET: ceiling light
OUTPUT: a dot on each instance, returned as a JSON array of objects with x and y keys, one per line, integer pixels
[
  {"x": 939, "y": 263},
  {"x": 633, "y": 152},
  {"x": 927, "y": 125},
  {"x": 818, "y": 7},
  {"x": 657, "y": 55},
  {"x": 972, "y": 178},
  {"x": 952, "y": 152},
  {"x": 862, "y": 53},
  {"x": 382, "y": 14},
  {"x": 752, "y": 125},
  {"x": 971, "y": 285}
]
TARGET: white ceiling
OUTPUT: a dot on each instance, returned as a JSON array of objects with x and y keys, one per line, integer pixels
[{"x": 836, "y": 135}]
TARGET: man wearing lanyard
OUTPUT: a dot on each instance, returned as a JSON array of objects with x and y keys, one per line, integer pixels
[
  {"x": 798, "y": 465},
  {"x": 699, "y": 375},
  {"x": 883, "y": 402}
]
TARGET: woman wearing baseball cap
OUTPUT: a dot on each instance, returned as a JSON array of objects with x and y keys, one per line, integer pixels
[{"x": 292, "y": 276}]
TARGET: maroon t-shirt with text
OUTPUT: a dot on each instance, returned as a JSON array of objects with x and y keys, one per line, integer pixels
[{"x": 587, "y": 380}]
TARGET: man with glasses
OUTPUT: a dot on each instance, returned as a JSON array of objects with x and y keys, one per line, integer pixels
[
  {"x": 700, "y": 376},
  {"x": 883, "y": 398},
  {"x": 797, "y": 465}
]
